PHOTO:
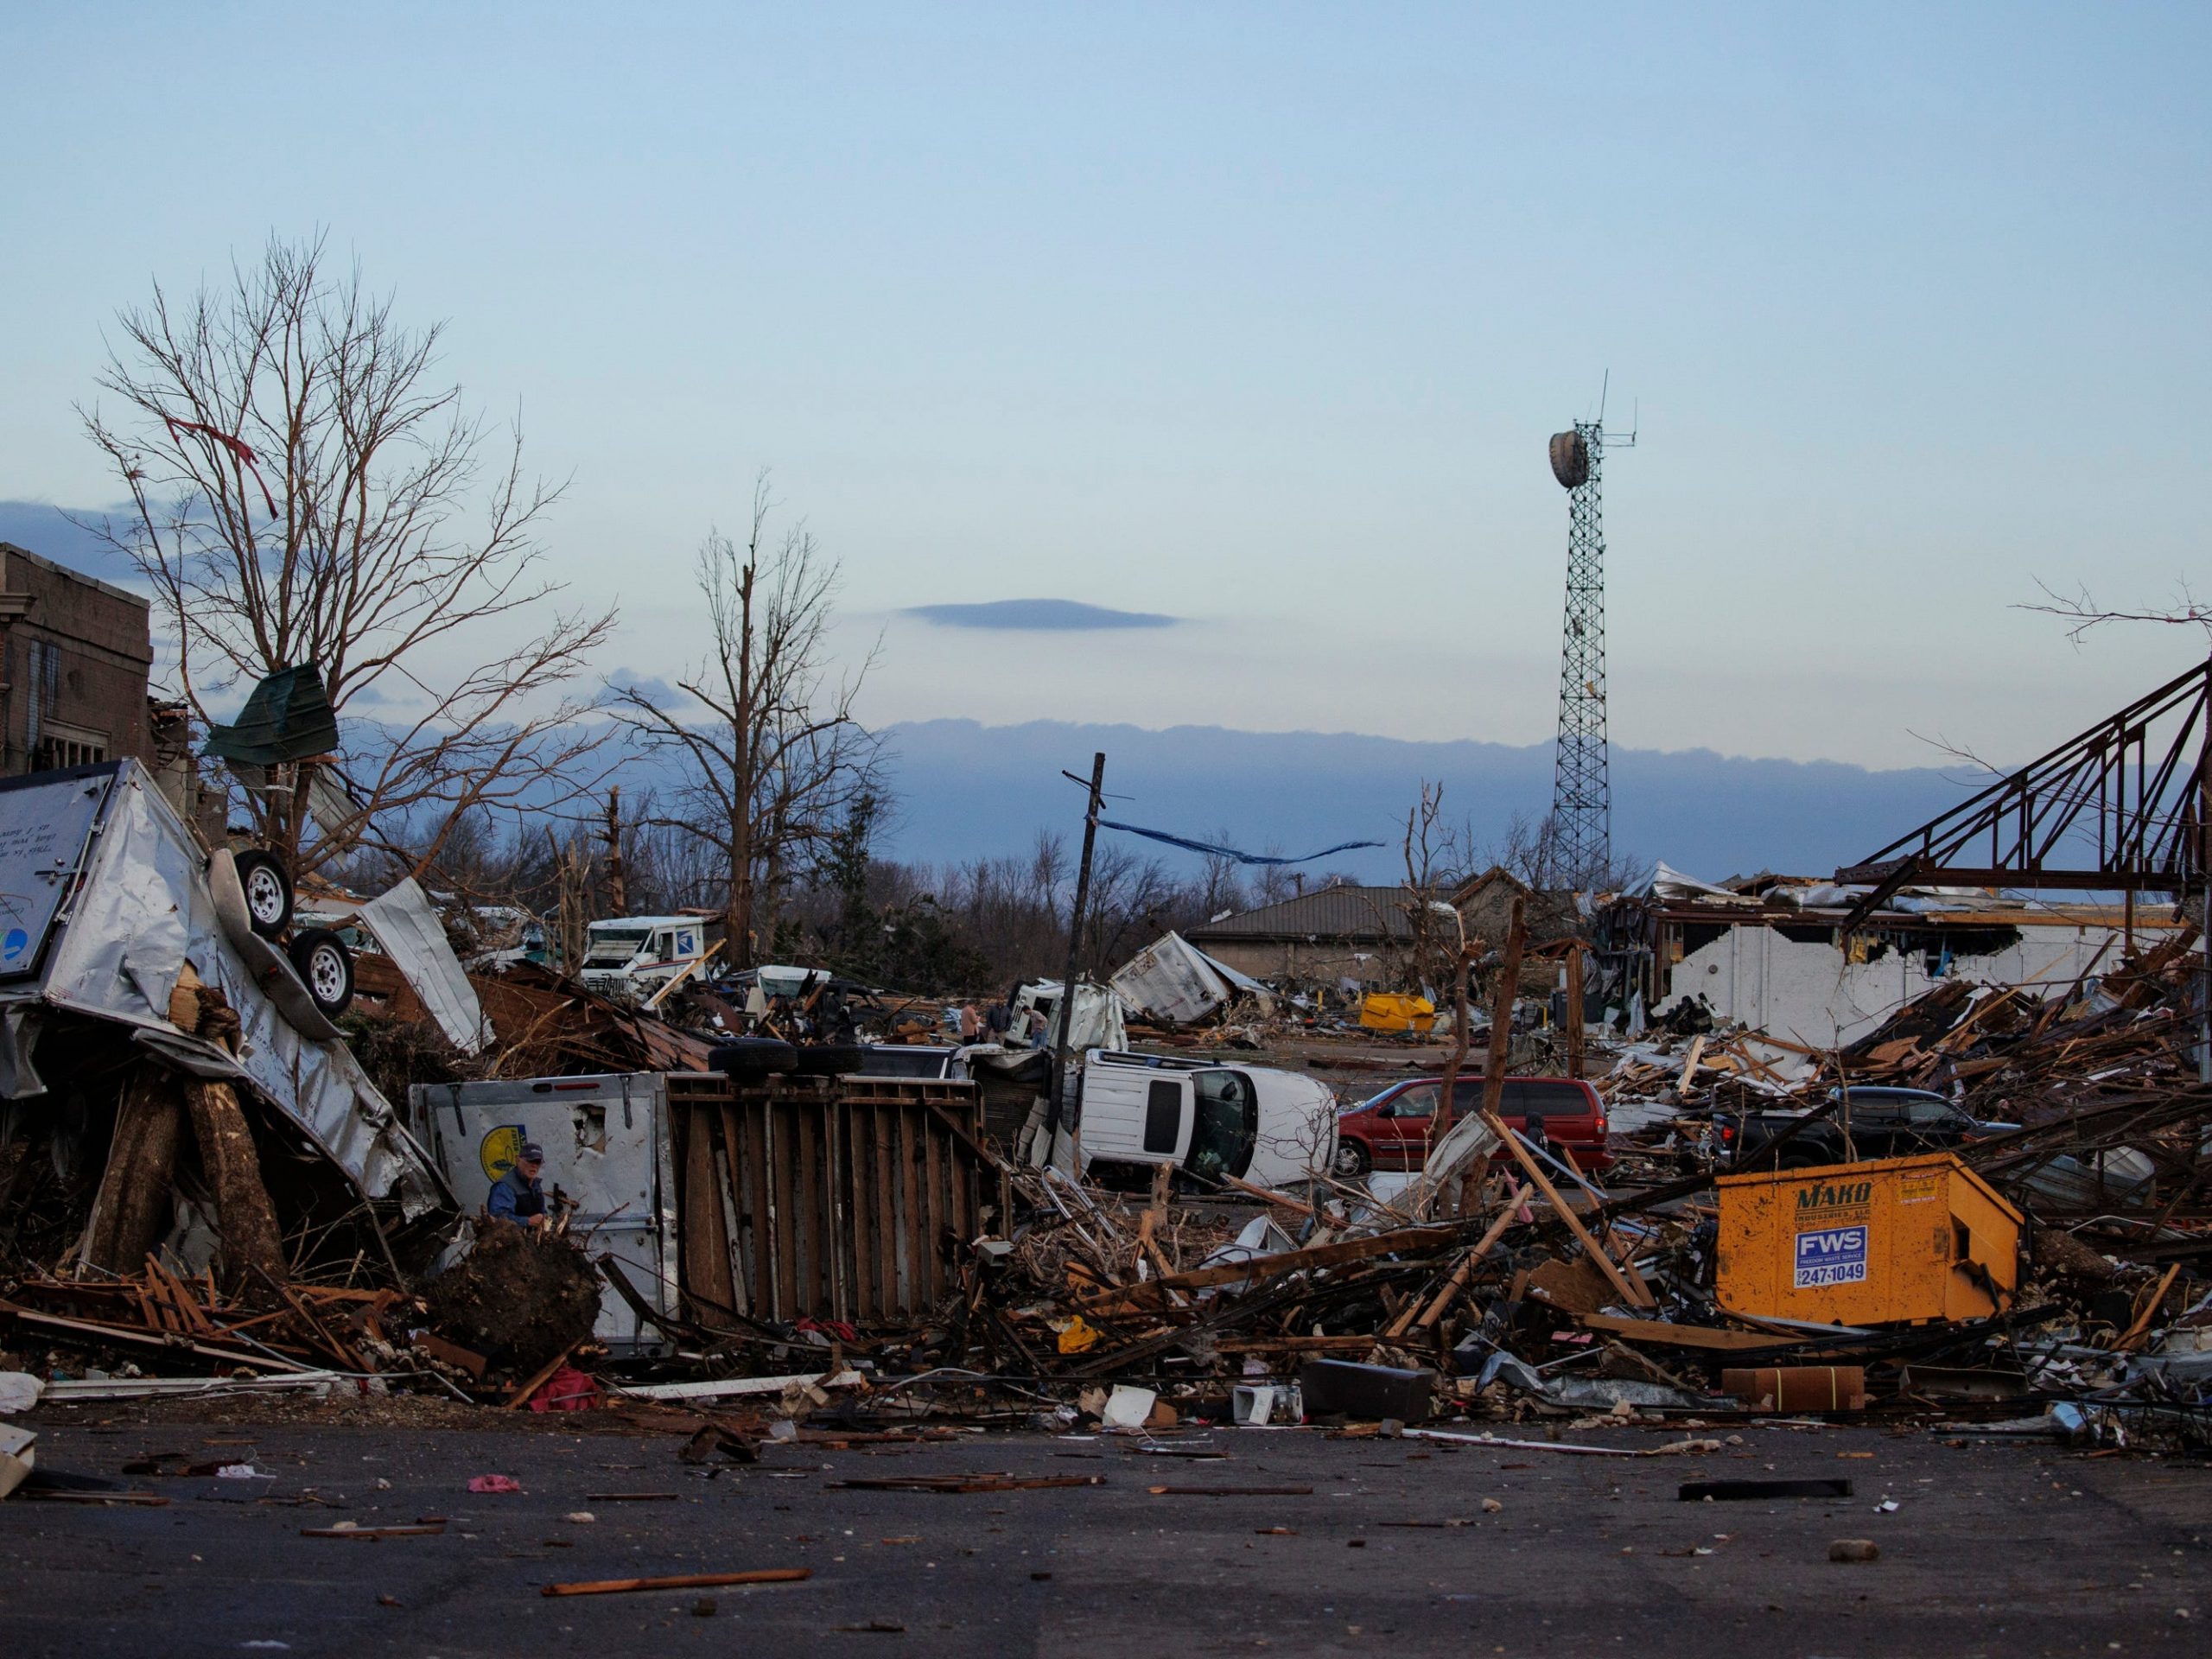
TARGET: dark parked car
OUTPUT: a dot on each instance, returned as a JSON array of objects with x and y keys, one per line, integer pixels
[
  {"x": 1884, "y": 1123},
  {"x": 1395, "y": 1129}
]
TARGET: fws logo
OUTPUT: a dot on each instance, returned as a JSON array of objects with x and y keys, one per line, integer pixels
[{"x": 1831, "y": 1256}]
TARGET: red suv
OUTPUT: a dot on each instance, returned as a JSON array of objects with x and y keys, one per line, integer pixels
[{"x": 1394, "y": 1129}]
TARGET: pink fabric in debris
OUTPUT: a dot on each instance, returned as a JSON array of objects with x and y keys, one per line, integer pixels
[
  {"x": 493, "y": 1484},
  {"x": 566, "y": 1389}
]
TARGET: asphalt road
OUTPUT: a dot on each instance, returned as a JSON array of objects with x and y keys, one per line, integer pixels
[{"x": 2005, "y": 1550}]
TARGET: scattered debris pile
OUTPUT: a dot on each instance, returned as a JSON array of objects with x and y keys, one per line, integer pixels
[
  {"x": 158, "y": 1319},
  {"x": 518, "y": 1298}
]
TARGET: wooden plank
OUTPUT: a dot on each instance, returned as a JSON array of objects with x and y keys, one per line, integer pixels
[
  {"x": 681, "y": 1581},
  {"x": 762, "y": 1238},
  {"x": 936, "y": 1210},
  {"x": 729, "y": 1166},
  {"x": 1634, "y": 1293},
  {"x": 1425, "y": 1317},
  {"x": 2136, "y": 1331},
  {"x": 886, "y": 1221},
  {"x": 1295, "y": 1344},
  {"x": 782, "y": 1136},
  {"x": 857, "y": 1164},
  {"x": 910, "y": 1297},
  {"x": 1670, "y": 1335},
  {"x": 1408, "y": 1240},
  {"x": 518, "y": 1396},
  {"x": 705, "y": 1252},
  {"x": 810, "y": 1197}
]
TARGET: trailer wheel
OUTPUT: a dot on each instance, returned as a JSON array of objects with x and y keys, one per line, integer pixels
[
  {"x": 326, "y": 968},
  {"x": 268, "y": 891}
]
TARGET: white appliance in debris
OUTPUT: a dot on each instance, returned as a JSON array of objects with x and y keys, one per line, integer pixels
[{"x": 607, "y": 1146}]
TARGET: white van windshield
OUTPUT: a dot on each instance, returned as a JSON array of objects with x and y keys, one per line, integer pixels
[
  {"x": 1227, "y": 1126},
  {"x": 615, "y": 946}
]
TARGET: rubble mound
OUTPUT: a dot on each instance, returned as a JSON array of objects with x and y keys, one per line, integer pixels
[{"x": 519, "y": 1298}]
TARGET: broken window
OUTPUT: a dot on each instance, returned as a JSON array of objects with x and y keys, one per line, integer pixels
[{"x": 1227, "y": 1126}]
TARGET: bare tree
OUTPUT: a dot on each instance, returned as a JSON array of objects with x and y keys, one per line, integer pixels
[
  {"x": 2081, "y": 612},
  {"x": 303, "y": 491},
  {"x": 1530, "y": 849},
  {"x": 771, "y": 758}
]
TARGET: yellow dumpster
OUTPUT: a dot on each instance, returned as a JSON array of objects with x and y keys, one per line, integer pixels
[
  {"x": 1898, "y": 1242},
  {"x": 1389, "y": 1011}
]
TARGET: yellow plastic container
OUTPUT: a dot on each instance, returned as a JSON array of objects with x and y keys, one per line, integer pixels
[
  {"x": 1899, "y": 1242},
  {"x": 1390, "y": 1011}
]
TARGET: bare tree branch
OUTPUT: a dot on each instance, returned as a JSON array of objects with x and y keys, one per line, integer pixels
[
  {"x": 393, "y": 529},
  {"x": 771, "y": 758},
  {"x": 2083, "y": 613}
]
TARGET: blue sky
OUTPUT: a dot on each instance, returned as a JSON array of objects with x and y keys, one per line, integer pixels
[{"x": 1254, "y": 316}]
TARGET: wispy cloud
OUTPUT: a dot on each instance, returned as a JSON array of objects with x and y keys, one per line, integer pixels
[
  {"x": 1038, "y": 616},
  {"x": 654, "y": 690},
  {"x": 47, "y": 530}
]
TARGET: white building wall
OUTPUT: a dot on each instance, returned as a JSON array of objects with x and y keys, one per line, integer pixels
[{"x": 1809, "y": 993}]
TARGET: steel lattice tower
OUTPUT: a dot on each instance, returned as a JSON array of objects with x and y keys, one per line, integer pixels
[{"x": 1582, "y": 796}]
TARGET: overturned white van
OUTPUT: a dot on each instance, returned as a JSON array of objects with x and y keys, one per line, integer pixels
[{"x": 1254, "y": 1123}]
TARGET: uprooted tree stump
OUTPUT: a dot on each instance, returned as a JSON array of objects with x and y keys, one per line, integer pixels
[
  {"x": 519, "y": 1298},
  {"x": 252, "y": 1239},
  {"x": 132, "y": 1210}
]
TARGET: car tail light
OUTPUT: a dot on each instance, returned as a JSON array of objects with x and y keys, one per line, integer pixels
[{"x": 1726, "y": 1133}]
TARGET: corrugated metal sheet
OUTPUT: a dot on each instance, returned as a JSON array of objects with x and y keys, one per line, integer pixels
[
  {"x": 286, "y": 717},
  {"x": 1339, "y": 912},
  {"x": 831, "y": 1198}
]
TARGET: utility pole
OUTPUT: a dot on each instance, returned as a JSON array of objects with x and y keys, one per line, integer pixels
[
  {"x": 2204, "y": 895},
  {"x": 1503, "y": 995},
  {"x": 1458, "y": 1058},
  {"x": 618, "y": 888},
  {"x": 1075, "y": 947},
  {"x": 1574, "y": 1026}
]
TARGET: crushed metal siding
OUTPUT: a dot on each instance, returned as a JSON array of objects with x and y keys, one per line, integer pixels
[{"x": 828, "y": 1199}]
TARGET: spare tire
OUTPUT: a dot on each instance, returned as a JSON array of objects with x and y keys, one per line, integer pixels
[
  {"x": 268, "y": 891},
  {"x": 326, "y": 968},
  {"x": 748, "y": 1059},
  {"x": 830, "y": 1060}
]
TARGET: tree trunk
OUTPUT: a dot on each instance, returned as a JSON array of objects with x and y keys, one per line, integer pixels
[
  {"x": 1503, "y": 995},
  {"x": 618, "y": 885},
  {"x": 244, "y": 1214},
  {"x": 132, "y": 1210},
  {"x": 739, "y": 910}
]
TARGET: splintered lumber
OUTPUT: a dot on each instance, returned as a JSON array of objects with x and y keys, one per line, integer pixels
[
  {"x": 518, "y": 1396},
  {"x": 959, "y": 1483},
  {"x": 1405, "y": 1239},
  {"x": 681, "y": 1581},
  {"x": 436, "y": 1530},
  {"x": 1296, "y": 1344},
  {"x": 2136, "y": 1331},
  {"x": 1634, "y": 1293},
  {"x": 1429, "y": 1315},
  {"x": 1566, "y": 1448},
  {"x": 57, "y": 1325},
  {"x": 1666, "y": 1332}
]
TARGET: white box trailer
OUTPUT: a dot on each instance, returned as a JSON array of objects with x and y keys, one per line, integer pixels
[{"x": 607, "y": 1146}]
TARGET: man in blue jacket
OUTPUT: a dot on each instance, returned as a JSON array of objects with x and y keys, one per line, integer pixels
[{"x": 518, "y": 1196}]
